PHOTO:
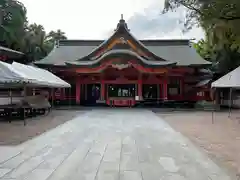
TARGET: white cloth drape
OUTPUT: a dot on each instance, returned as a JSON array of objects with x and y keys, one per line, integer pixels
[{"x": 29, "y": 75}]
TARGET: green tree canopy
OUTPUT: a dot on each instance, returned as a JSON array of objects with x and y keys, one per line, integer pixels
[
  {"x": 219, "y": 19},
  {"x": 56, "y": 35},
  {"x": 18, "y": 34},
  {"x": 12, "y": 23}
]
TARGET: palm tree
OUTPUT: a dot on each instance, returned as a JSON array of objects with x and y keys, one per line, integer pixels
[
  {"x": 35, "y": 38},
  {"x": 56, "y": 35}
]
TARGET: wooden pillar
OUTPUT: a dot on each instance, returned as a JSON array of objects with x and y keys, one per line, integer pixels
[
  {"x": 85, "y": 91},
  {"x": 78, "y": 89},
  {"x": 102, "y": 90},
  {"x": 165, "y": 89},
  {"x": 182, "y": 86},
  {"x": 140, "y": 87},
  {"x": 160, "y": 91}
]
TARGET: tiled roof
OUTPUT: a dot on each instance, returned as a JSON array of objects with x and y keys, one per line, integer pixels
[
  {"x": 122, "y": 52},
  {"x": 82, "y": 51},
  {"x": 180, "y": 53}
]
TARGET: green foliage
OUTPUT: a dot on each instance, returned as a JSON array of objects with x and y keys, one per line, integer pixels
[
  {"x": 223, "y": 59},
  {"x": 220, "y": 20},
  {"x": 16, "y": 33},
  {"x": 13, "y": 19},
  {"x": 204, "y": 49}
]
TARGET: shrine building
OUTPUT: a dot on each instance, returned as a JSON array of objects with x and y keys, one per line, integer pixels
[{"x": 123, "y": 70}]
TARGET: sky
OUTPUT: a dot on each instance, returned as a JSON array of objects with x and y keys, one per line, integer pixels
[{"x": 96, "y": 19}]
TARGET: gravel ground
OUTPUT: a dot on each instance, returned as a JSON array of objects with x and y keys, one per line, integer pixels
[
  {"x": 16, "y": 133},
  {"x": 220, "y": 140}
]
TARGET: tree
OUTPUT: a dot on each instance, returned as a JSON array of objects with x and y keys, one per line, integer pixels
[
  {"x": 35, "y": 40},
  {"x": 227, "y": 10},
  {"x": 38, "y": 43},
  {"x": 56, "y": 35},
  {"x": 12, "y": 23},
  {"x": 205, "y": 49},
  {"x": 219, "y": 15},
  {"x": 219, "y": 19},
  {"x": 16, "y": 33},
  {"x": 223, "y": 60}
]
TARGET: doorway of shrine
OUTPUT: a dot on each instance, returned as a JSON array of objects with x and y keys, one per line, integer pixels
[
  {"x": 90, "y": 94},
  {"x": 151, "y": 93}
]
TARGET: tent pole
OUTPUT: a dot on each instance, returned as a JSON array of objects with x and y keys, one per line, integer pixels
[
  {"x": 24, "y": 97},
  {"x": 214, "y": 103},
  {"x": 10, "y": 118},
  {"x": 10, "y": 92},
  {"x": 230, "y": 102}
]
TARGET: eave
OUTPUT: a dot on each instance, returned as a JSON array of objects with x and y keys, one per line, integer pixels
[{"x": 10, "y": 52}]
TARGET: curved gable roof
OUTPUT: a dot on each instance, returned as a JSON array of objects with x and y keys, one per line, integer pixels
[
  {"x": 122, "y": 31},
  {"x": 121, "y": 51},
  {"x": 172, "y": 51},
  {"x": 182, "y": 54}
]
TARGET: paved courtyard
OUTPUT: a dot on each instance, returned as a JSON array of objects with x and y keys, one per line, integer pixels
[{"x": 113, "y": 144}]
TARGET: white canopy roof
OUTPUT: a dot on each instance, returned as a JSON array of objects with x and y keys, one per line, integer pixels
[
  {"x": 232, "y": 79},
  {"x": 9, "y": 75},
  {"x": 16, "y": 73},
  {"x": 39, "y": 76}
]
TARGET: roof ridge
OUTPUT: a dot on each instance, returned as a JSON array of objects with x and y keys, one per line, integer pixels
[
  {"x": 145, "y": 42},
  {"x": 100, "y": 40}
]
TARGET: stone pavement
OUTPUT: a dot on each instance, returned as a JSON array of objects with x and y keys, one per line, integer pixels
[{"x": 112, "y": 144}]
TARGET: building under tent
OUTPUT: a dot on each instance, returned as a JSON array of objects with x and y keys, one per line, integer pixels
[
  {"x": 30, "y": 76},
  {"x": 227, "y": 89},
  {"x": 39, "y": 77},
  {"x": 23, "y": 78}
]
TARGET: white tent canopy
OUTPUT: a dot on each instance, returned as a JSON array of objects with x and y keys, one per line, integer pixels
[
  {"x": 40, "y": 76},
  {"x": 9, "y": 75},
  {"x": 230, "y": 80},
  {"x": 29, "y": 75}
]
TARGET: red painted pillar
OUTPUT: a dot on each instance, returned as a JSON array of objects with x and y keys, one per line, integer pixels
[
  {"x": 182, "y": 86},
  {"x": 102, "y": 90},
  {"x": 140, "y": 89},
  {"x": 78, "y": 89},
  {"x": 159, "y": 95},
  {"x": 165, "y": 89}
]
